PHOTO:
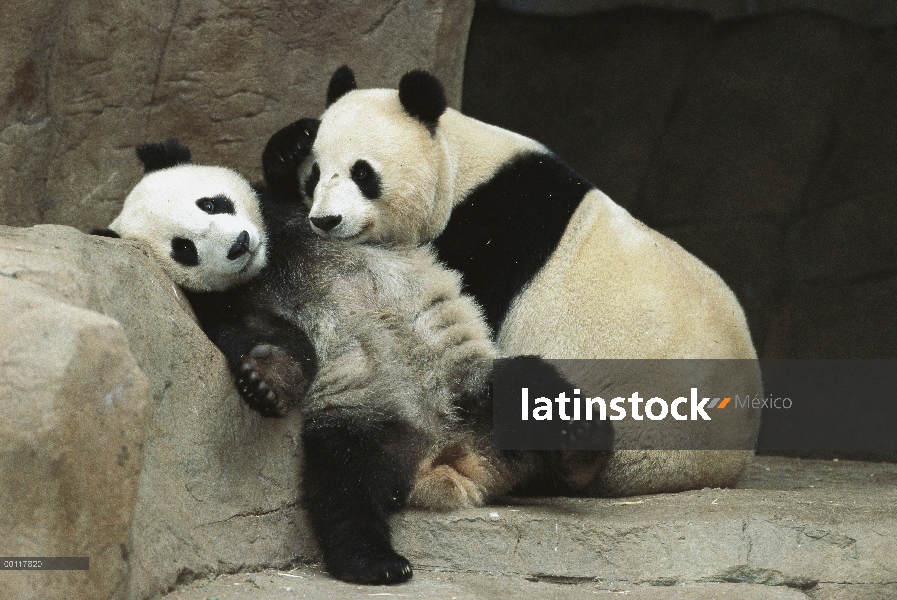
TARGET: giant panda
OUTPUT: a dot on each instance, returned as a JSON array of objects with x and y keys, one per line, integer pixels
[
  {"x": 388, "y": 362},
  {"x": 561, "y": 270}
]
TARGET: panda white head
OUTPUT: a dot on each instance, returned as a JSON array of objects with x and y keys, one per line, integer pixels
[
  {"x": 374, "y": 170},
  {"x": 202, "y": 223}
]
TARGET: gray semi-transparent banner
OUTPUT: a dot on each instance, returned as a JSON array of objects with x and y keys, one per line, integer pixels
[
  {"x": 805, "y": 406},
  {"x": 44, "y": 563}
]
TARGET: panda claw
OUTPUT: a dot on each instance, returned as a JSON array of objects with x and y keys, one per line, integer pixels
[{"x": 270, "y": 380}]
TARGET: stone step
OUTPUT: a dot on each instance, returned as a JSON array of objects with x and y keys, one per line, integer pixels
[{"x": 793, "y": 529}]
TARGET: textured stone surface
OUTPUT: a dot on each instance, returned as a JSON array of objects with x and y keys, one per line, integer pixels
[
  {"x": 82, "y": 82},
  {"x": 832, "y": 530},
  {"x": 794, "y": 529},
  {"x": 218, "y": 484},
  {"x": 310, "y": 582},
  {"x": 74, "y": 405},
  {"x": 764, "y": 146}
]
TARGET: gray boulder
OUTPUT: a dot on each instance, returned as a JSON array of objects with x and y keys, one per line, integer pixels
[{"x": 123, "y": 437}]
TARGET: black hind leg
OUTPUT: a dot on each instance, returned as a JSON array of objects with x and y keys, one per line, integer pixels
[{"x": 356, "y": 473}]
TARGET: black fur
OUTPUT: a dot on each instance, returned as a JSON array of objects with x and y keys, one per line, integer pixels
[
  {"x": 184, "y": 252},
  {"x": 162, "y": 155},
  {"x": 217, "y": 205},
  {"x": 260, "y": 347},
  {"x": 312, "y": 182},
  {"x": 341, "y": 83},
  {"x": 105, "y": 233},
  {"x": 505, "y": 230},
  {"x": 367, "y": 179},
  {"x": 358, "y": 470},
  {"x": 285, "y": 151},
  {"x": 423, "y": 97}
]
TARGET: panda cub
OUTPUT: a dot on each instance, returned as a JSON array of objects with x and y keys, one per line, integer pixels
[{"x": 389, "y": 364}]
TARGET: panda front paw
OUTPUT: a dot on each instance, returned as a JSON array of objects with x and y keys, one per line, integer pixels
[
  {"x": 383, "y": 567},
  {"x": 285, "y": 151},
  {"x": 270, "y": 380}
]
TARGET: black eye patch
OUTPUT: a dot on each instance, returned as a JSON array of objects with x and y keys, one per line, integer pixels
[
  {"x": 312, "y": 182},
  {"x": 217, "y": 205},
  {"x": 184, "y": 252},
  {"x": 366, "y": 179}
]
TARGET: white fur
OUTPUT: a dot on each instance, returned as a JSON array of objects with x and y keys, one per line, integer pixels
[{"x": 163, "y": 206}]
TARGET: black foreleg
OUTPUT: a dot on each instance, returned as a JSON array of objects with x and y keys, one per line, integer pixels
[
  {"x": 273, "y": 361},
  {"x": 357, "y": 472},
  {"x": 284, "y": 154}
]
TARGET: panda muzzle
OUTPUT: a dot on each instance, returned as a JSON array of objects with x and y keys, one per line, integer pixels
[{"x": 240, "y": 247}]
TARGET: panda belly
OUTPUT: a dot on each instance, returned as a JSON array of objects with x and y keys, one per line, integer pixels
[{"x": 397, "y": 342}]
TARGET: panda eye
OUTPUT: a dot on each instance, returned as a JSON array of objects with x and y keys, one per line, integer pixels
[
  {"x": 217, "y": 205},
  {"x": 184, "y": 252},
  {"x": 360, "y": 171},
  {"x": 366, "y": 179}
]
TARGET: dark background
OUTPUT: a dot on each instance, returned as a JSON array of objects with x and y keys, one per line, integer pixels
[{"x": 763, "y": 145}]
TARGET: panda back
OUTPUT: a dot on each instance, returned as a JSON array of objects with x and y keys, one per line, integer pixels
[{"x": 507, "y": 227}]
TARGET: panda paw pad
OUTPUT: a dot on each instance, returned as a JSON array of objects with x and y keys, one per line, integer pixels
[{"x": 269, "y": 379}]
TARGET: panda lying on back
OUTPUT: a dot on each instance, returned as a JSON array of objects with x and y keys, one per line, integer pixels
[{"x": 389, "y": 363}]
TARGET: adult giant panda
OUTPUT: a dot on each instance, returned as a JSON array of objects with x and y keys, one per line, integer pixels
[
  {"x": 391, "y": 363},
  {"x": 560, "y": 269}
]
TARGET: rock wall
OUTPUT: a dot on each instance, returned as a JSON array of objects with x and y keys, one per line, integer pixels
[
  {"x": 83, "y": 81},
  {"x": 123, "y": 438},
  {"x": 764, "y": 146},
  {"x": 74, "y": 405}
]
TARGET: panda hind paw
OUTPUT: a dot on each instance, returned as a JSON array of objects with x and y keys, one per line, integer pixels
[
  {"x": 384, "y": 567},
  {"x": 270, "y": 380}
]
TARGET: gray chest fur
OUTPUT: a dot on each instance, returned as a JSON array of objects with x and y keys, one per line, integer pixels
[{"x": 393, "y": 334}]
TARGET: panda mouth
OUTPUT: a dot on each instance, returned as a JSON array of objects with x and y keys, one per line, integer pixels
[
  {"x": 365, "y": 228},
  {"x": 250, "y": 259},
  {"x": 239, "y": 247}
]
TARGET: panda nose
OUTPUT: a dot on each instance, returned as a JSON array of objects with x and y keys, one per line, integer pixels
[
  {"x": 326, "y": 223},
  {"x": 240, "y": 247}
]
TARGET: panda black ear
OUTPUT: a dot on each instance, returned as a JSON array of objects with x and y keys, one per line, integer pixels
[
  {"x": 423, "y": 98},
  {"x": 342, "y": 82},
  {"x": 162, "y": 155}
]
